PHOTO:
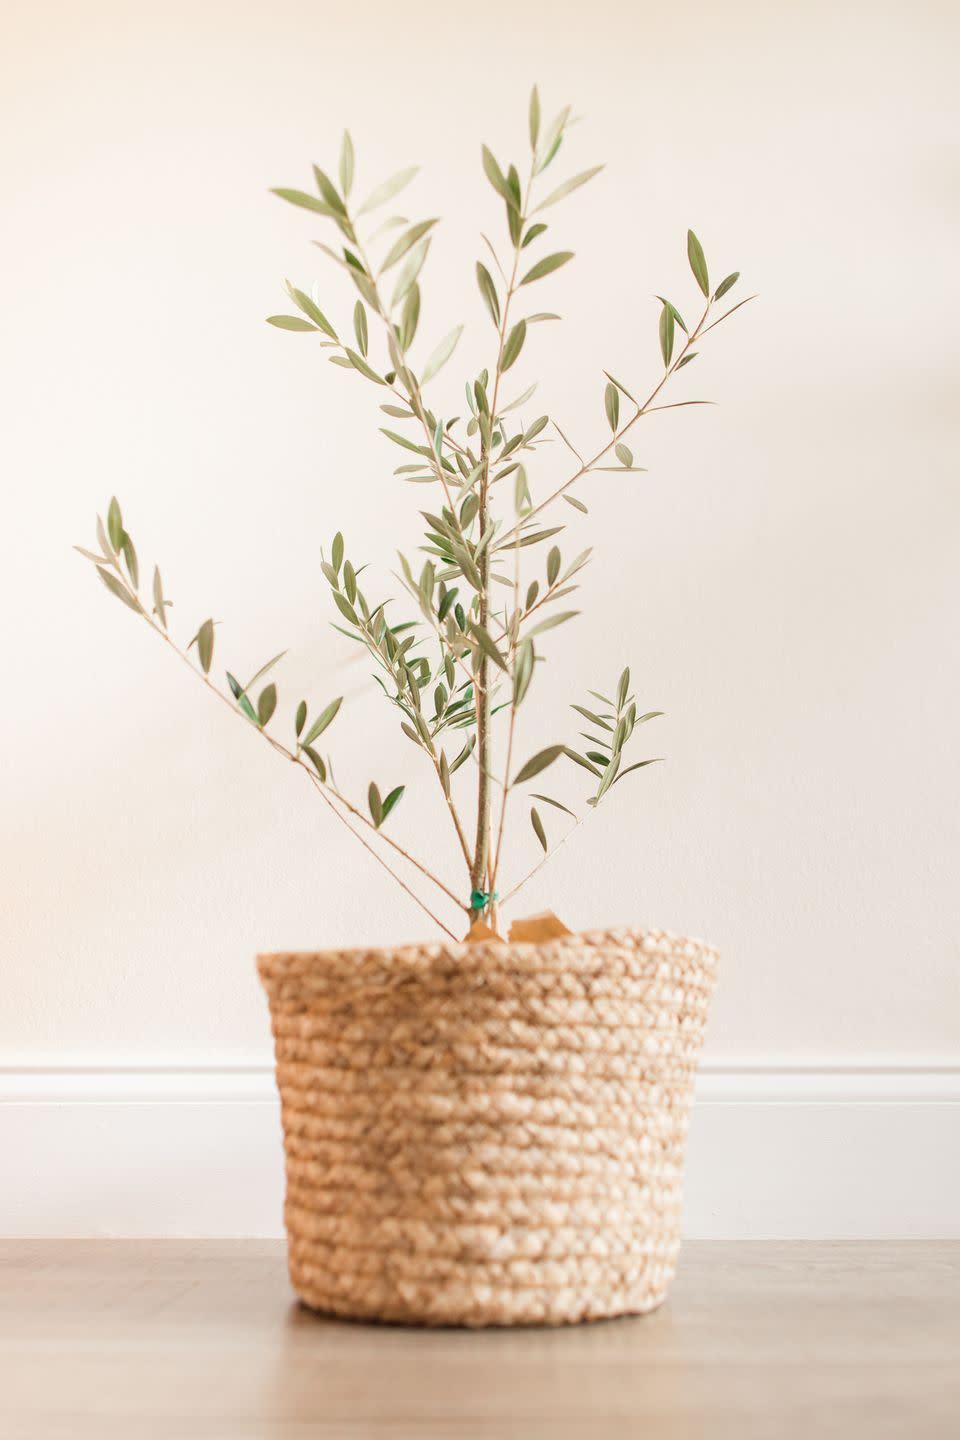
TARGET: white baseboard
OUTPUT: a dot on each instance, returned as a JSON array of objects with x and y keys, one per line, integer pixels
[{"x": 803, "y": 1151}]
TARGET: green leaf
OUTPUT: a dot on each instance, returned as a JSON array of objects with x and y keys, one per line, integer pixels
[
  {"x": 360, "y": 327},
  {"x": 552, "y": 621},
  {"x": 674, "y": 312},
  {"x": 290, "y": 322},
  {"x": 657, "y": 759},
  {"x": 568, "y": 186},
  {"x": 115, "y": 524},
  {"x": 538, "y": 829},
  {"x": 116, "y": 587},
  {"x": 666, "y": 334},
  {"x": 265, "y": 670},
  {"x": 406, "y": 242},
  {"x": 553, "y": 564},
  {"x": 489, "y": 292},
  {"x": 388, "y": 189},
  {"x": 495, "y": 175},
  {"x": 538, "y": 762},
  {"x": 441, "y": 355},
  {"x": 698, "y": 262},
  {"x": 360, "y": 364},
  {"x": 345, "y": 608},
  {"x": 103, "y": 540},
  {"x": 556, "y": 804},
  {"x": 546, "y": 266},
  {"x": 410, "y": 270},
  {"x": 392, "y": 800},
  {"x": 485, "y": 642},
  {"x": 301, "y": 719},
  {"x": 402, "y": 441},
  {"x": 534, "y": 118},
  {"x": 465, "y": 754},
  {"x": 346, "y": 163},
  {"x": 624, "y": 454},
  {"x": 336, "y": 552},
  {"x": 266, "y": 704},
  {"x": 513, "y": 345},
  {"x": 375, "y": 804},
  {"x": 410, "y": 317},
  {"x": 532, "y": 233},
  {"x": 305, "y": 201},
  {"x": 205, "y": 645},
  {"x": 316, "y": 761},
  {"x": 311, "y": 310},
  {"x": 520, "y": 400},
  {"x": 726, "y": 285},
  {"x": 240, "y": 697},
  {"x": 324, "y": 719},
  {"x": 130, "y": 560},
  {"x": 577, "y": 504},
  {"x": 611, "y": 404},
  {"x": 329, "y": 191},
  {"x": 622, "y": 687},
  {"x": 159, "y": 603},
  {"x": 580, "y": 760},
  {"x": 523, "y": 670},
  {"x": 592, "y": 717},
  {"x": 535, "y": 537},
  {"x": 690, "y": 355}
]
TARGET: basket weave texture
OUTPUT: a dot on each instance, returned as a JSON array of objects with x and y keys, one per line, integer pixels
[{"x": 487, "y": 1134}]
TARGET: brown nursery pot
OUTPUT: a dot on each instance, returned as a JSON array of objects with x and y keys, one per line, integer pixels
[{"x": 488, "y": 1133}]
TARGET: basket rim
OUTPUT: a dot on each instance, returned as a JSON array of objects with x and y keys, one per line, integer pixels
[{"x": 614, "y": 938}]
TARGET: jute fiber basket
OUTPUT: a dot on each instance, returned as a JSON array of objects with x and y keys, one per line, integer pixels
[{"x": 488, "y": 1133}]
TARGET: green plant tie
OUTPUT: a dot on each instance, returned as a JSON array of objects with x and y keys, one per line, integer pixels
[{"x": 480, "y": 899}]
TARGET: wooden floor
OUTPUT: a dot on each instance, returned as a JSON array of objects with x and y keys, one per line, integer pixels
[{"x": 203, "y": 1341}]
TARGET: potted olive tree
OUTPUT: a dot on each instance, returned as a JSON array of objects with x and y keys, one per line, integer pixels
[{"x": 482, "y": 1128}]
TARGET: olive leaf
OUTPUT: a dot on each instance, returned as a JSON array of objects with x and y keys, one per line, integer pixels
[
  {"x": 667, "y": 331},
  {"x": 538, "y": 762},
  {"x": 116, "y": 587},
  {"x": 546, "y": 266},
  {"x": 204, "y": 639},
  {"x": 441, "y": 355},
  {"x": 388, "y": 189},
  {"x": 698, "y": 263},
  {"x": 266, "y": 704},
  {"x": 325, "y": 718},
  {"x": 611, "y": 404},
  {"x": 489, "y": 292}
]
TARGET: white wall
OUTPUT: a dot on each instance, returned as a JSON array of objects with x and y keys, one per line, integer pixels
[{"x": 783, "y": 581}]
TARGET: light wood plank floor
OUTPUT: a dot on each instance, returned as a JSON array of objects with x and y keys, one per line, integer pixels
[{"x": 202, "y": 1340}]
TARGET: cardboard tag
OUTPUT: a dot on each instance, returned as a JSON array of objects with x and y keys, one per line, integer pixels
[
  {"x": 479, "y": 931},
  {"x": 546, "y": 926}
]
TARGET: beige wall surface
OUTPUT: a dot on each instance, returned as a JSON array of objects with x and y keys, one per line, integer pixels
[{"x": 783, "y": 581}]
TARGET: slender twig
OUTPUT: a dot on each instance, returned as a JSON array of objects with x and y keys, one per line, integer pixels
[
  {"x": 322, "y": 790},
  {"x": 540, "y": 863},
  {"x": 618, "y": 435}
]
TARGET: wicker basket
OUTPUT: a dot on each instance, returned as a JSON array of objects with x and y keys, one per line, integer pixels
[{"x": 487, "y": 1134}]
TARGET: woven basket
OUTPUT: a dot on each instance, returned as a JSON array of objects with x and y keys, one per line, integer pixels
[{"x": 487, "y": 1134}]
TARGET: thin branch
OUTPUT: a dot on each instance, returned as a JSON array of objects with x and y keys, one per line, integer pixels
[
  {"x": 618, "y": 435},
  {"x": 281, "y": 749},
  {"x": 540, "y": 863}
]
